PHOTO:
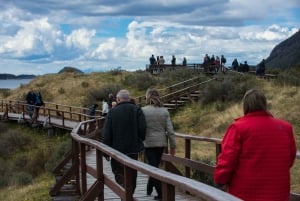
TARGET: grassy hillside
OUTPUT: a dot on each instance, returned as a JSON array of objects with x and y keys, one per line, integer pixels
[
  {"x": 26, "y": 159},
  {"x": 210, "y": 119}
]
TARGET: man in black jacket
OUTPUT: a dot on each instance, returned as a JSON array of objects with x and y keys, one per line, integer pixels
[
  {"x": 124, "y": 130},
  {"x": 30, "y": 100}
]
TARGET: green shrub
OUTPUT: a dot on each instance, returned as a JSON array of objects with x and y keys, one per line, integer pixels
[
  {"x": 97, "y": 95},
  {"x": 116, "y": 71},
  {"x": 84, "y": 84},
  {"x": 202, "y": 176},
  {"x": 170, "y": 77},
  {"x": 141, "y": 80},
  {"x": 61, "y": 90},
  {"x": 11, "y": 141},
  {"x": 21, "y": 178},
  {"x": 289, "y": 77},
  {"x": 5, "y": 92},
  {"x": 57, "y": 154},
  {"x": 41, "y": 84},
  {"x": 3, "y": 173},
  {"x": 228, "y": 90}
]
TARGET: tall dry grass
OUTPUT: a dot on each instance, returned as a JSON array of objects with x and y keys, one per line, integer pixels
[{"x": 283, "y": 102}]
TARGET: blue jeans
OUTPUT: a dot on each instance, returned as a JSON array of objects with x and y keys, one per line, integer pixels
[{"x": 31, "y": 110}]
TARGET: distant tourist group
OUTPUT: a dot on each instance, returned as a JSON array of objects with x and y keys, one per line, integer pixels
[
  {"x": 161, "y": 61},
  {"x": 212, "y": 64}
]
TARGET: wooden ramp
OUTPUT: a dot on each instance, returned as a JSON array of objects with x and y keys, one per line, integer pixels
[{"x": 140, "y": 191}]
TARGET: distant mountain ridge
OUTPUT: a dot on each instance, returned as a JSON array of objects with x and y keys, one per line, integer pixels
[
  {"x": 6, "y": 76},
  {"x": 286, "y": 54}
]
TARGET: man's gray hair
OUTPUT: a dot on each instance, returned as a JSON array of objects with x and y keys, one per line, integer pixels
[{"x": 123, "y": 95}]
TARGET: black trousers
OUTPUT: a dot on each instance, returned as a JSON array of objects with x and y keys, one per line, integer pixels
[
  {"x": 118, "y": 170},
  {"x": 153, "y": 155}
]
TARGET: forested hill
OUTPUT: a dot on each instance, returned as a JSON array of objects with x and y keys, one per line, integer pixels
[
  {"x": 5, "y": 76},
  {"x": 286, "y": 54}
]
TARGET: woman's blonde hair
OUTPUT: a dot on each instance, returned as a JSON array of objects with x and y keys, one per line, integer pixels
[
  {"x": 152, "y": 98},
  {"x": 254, "y": 100}
]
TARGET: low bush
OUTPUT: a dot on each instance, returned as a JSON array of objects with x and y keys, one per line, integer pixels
[
  {"x": 202, "y": 176},
  {"x": 5, "y": 92},
  {"x": 228, "y": 90},
  {"x": 84, "y": 84},
  {"x": 99, "y": 94},
  {"x": 141, "y": 80},
  {"x": 57, "y": 154},
  {"x": 61, "y": 90},
  {"x": 21, "y": 178},
  {"x": 289, "y": 77}
]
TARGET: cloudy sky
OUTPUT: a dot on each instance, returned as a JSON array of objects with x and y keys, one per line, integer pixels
[{"x": 43, "y": 36}]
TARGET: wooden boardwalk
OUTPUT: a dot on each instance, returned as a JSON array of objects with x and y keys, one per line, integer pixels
[
  {"x": 77, "y": 124},
  {"x": 140, "y": 191}
]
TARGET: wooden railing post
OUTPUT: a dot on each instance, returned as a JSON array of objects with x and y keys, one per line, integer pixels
[
  {"x": 129, "y": 177},
  {"x": 100, "y": 175},
  {"x": 168, "y": 192},
  {"x": 218, "y": 150},
  {"x": 10, "y": 107},
  {"x": 75, "y": 162},
  {"x": 63, "y": 118},
  {"x": 83, "y": 168},
  {"x": 70, "y": 112},
  {"x": 187, "y": 155}
]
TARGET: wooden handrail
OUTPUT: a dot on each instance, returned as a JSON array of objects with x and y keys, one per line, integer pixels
[
  {"x": 168, "y": 180},
  {"x": 174, "y": 91}
]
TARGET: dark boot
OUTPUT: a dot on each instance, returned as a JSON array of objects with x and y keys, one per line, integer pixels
[{"x": 149, "y": 186}]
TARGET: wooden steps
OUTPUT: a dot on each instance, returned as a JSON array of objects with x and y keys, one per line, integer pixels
[
  {"x": 69, "y": 190},
  {"x": 183, "y": 100}
]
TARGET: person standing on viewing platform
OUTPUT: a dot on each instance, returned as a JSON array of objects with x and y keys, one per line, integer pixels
[
  {"x": 235, "y": 64},
  {"x": 152, "y": 60},
  {"x": 124, "y": 130},
  {"x": 258, "y": 151},
  {"x": 173, "y": 60},
  {"x": 159, "y": 131},
  {"x": 223, "y": 62},
  {"x": 261, "y": 67},
  {"x": 30, "y": 100},
  {"x": 184, "y": 62},
  {"x": 161, "y": 60}
]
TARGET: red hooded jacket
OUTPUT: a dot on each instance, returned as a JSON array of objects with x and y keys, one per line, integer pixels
[{"x": 258, "y": 151}]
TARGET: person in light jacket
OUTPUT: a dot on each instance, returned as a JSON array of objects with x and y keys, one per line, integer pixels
[
  {"x": 258, "y": 151},
  {"x": 159, "y": 131}
]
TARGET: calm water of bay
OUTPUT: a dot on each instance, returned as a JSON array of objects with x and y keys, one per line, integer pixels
[{"x": 13, "y": 84}]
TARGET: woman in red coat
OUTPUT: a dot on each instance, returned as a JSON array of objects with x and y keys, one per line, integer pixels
[{"x": 258, "y": 151}]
